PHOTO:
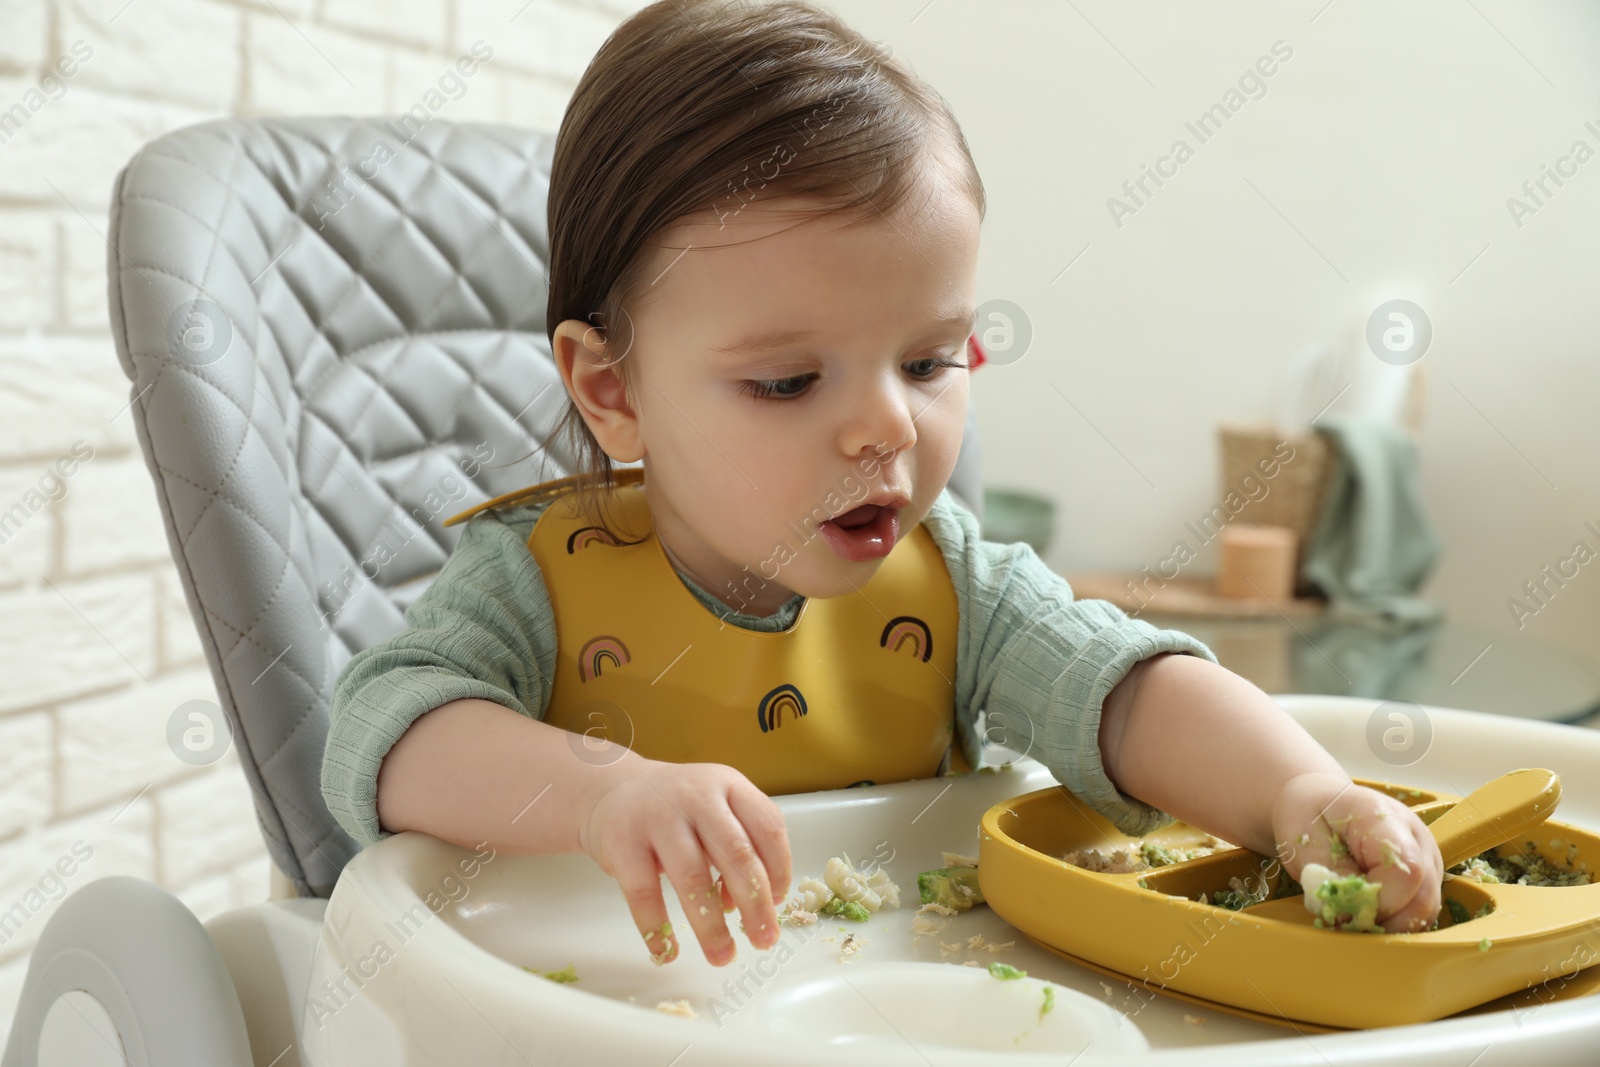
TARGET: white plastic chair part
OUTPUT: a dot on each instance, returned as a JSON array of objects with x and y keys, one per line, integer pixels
[
  {"x": 78, "y": 1031},
  {"x": 420, "y": 958},
  {"x": 144, "y": 957},
  {"x": 420, "y": 953},
  {"x": 279, "y": 887},
  {"x": 268, "y": 948}
]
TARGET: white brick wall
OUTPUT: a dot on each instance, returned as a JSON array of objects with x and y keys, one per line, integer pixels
[{"x": 96, "y": 641}]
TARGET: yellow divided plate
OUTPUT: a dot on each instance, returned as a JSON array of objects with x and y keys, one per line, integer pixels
[{"x": 1163, "y": 937}]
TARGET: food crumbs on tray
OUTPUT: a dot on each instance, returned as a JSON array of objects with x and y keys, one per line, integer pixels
[
  {"x": 846, "y": 909},
  {"x": 680, "y": 1008},
  {"x": 1049, "y": 1001},
  {"x": 956, "y": 859},
  {"x": 1193, "y": 1020},
  {"x": 667, "y": 943},
  {"x": 955, "y": 888},
  {"x": 842, "y": 892},
  {"x": 567, "y": 975},
  {"x": 1141, "y": 855},
  {"x": 1005, "y": 971},
  {"x": 1483, "y": 946},
  {"x": 853, "y": 943},
  {"x": 1107, "y": 987}
]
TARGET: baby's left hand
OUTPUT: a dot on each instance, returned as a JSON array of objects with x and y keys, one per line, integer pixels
[{"x": 1386, "y": 843}]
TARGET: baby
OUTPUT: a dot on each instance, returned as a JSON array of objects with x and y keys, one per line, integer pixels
[{"x": 763, "y": 269}]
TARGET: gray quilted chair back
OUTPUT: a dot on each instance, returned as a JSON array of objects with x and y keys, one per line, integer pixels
[{"x": 336, "y": 340}]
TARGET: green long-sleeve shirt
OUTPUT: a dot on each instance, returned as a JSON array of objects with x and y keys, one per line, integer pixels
[{"x": 1039, "y": 662}]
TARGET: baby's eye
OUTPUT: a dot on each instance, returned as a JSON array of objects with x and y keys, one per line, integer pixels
[
  {"x": 778, "y": 388},
  {"x": 925, "y": 369}
]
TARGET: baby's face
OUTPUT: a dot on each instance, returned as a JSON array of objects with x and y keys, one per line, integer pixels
[{"x": 865, "y": 406}]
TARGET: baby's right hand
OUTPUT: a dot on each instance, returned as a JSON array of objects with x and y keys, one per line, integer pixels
[{"x": 681, "y": 819}]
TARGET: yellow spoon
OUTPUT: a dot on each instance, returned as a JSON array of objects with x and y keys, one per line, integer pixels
[{"x": 1500, "y": 810}]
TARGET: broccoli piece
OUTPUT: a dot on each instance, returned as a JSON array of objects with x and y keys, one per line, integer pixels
[
  {"x": 1049, "y": 1001},
  {"x": 1349, "y": 902},
  {"x": 1483, "y": 946},
  {"x": 1159, "y": 855},
  {"x": 1232, "y": 899},
  {"x": 1458, "y": 911},
  {"x": 1005, "y": 971},
  {"x": 1237, "y": 896},
  {"x": 566, "y": 976},
  {"x": 846, "y": 909},
  {"x": 950, "y": 887}
]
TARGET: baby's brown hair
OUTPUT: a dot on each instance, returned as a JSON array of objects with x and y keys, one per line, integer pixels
[{"x": 703, "y": 106}]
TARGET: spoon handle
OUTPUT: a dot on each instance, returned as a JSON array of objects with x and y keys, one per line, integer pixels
[{"x": 1499, "y": 811}]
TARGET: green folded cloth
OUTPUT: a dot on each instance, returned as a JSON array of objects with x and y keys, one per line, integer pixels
[{"x": 1373, "y": 544}]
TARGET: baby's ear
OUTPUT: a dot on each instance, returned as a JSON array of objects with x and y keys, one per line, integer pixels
[{"x": 596, "y": 380}]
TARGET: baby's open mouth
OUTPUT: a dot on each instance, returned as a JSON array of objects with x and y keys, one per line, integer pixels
[
  {"x": 859, "y": 517},
  {"x": 867, "y": 532}
]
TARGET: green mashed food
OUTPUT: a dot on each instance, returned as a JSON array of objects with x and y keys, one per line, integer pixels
[
  {"x": 846, "y": 909},
  {"x": 1347, "y": 902},
  {"x": 955, "y": 888},
  {"x": 1526, "y": 868},
  {"x": 566, "y": 975},
  {"x": 1140, "y": 855}
]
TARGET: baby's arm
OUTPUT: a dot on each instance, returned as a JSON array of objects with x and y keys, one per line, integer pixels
[
  {"x": 1198, "y": 741},
  {"x": 472, "y": 771}
]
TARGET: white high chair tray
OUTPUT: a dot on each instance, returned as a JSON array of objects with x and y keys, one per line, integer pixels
[{"x": 394, "y": 983}]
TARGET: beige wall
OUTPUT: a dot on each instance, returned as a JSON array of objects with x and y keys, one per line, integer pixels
[
  {"x": 96, "y": 644},
  {"x": 1377, "y": 163}
]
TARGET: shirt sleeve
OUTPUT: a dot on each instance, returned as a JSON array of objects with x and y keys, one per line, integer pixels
[
  {"x": 1040, "y": 662},
  {"x": 484, "y": 628}
]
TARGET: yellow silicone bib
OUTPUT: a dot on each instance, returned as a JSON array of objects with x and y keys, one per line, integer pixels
[{"x": 859, "y": 690}]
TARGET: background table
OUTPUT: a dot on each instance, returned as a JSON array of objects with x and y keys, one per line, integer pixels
[{"x": 1450, "y": 664}]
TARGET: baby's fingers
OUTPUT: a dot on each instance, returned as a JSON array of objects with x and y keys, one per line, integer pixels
[
  {"x": 1410, "y": 870},
  {"x": 639, "y": 876},
  {"x": 745, "y": 884},
  {"x": 685, "y": 863},
  {"x": 763, "y": 823}
]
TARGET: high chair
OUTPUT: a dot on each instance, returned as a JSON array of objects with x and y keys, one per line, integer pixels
[{"x": 370, "y": 358}]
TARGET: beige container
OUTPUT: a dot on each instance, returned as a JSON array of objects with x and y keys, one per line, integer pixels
[
  {"x": 1257, "y": 562},
  {"x": 1295, "y": 487}
]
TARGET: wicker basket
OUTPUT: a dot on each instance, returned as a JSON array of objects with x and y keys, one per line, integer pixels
[{"x": 1294, "y": 495}]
